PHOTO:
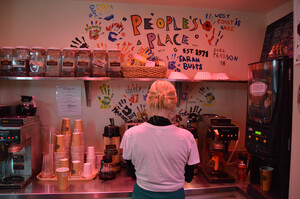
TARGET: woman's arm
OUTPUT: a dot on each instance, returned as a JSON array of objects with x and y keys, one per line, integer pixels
[
  {"x": 130, "y": 169},
  {"x": 189, "y": 173}
]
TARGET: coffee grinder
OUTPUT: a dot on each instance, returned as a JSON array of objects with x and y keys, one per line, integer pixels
[
  {"x": 20, "y": 150},
  {"x": 216, "y": 132}
]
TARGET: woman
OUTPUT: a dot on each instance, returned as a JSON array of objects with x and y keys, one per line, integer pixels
[{"x": 158, "y": 154}]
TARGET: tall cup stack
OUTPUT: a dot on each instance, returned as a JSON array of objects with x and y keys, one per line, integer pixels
[
  {"x": 78, "y": 128},
  {"x": 60, "y": 151},
  {"x": 76, "y": 149},
  {"x": 66, "y": 131},
  {"x": 91, "y": 158}
]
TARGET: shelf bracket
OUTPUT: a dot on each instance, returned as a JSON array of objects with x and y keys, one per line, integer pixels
[{"x": 88, "y": 92}]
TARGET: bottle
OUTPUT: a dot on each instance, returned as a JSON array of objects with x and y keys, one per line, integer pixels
[
  {"x": 68, "y": 62},
  {"x": 21, "y": 61},
  {"x": 6, "y": 58},
  {"x": 107, "y": 171},
  {"x": 83, "y": 62},
  {"x": 242, "y": 171},
  {"x": 37, "y": 61},
  {"x": 99, "y": 63},
  {"x": 53, "y": 62},
  {"x": 114, "y": 63}
]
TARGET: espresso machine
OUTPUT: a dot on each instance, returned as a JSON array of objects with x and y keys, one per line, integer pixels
[
  {"x": 216, "y": 132},
  {"x": 20, "y": 150}
]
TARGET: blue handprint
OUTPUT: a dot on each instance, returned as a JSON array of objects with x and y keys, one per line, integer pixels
[
  {"x": 115, "y": 32},
  {"x": 172, "y": 62}
]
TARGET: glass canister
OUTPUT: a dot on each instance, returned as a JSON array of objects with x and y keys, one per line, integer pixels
[
  {"x": 21, "y": 58},
  {"x": 114, "y": 63},
  {"x": 37, "y": 61},
  {"x": 99, "y": 63},
  {"x": 83, "y": 62},
  {"x": 6, "y": 58},
  {"x": 68, "y": 68},
  {"x": 107, "y": 170},
  {"x": 53, "y": 62}
]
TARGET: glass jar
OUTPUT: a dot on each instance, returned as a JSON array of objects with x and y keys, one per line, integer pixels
[
  {"x": 68, "y": 62},
  {"x": 21, "y": 58},
  {"x": 6, "y": 58},
  {"x": 107, "y": 170},
  {"x": 53, "y": 61},
  {"x": 114, "y": 62},
  {"x": 99, "y": 63},
  {"x": 83, "y": 62},
  {"x": 37, "y": 61}
]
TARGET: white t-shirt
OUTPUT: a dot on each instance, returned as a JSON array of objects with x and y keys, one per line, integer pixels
[{"x": 159, "y": 155}]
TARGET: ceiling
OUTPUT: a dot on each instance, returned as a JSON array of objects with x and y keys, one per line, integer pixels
[{"x": 255, "y": 6}]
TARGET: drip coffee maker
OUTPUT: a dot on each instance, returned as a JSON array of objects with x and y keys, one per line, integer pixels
[
  {"x": 216, "y": 132},
  {"x": 20, "y": 152}
]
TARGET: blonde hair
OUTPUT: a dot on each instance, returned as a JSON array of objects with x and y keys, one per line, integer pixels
[{"x": 162, "y": 96}]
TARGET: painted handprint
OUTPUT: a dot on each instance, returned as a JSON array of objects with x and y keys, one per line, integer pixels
[
  {"x": 102, "y": 45},
  {"x": 124, "y": 111},
  {"x": 126, "y": 50},
  {"x": 79, "y": 44},
  {"x": 147, "y": 52},
  {"x": 134, "y": 91},
  {"x": 208, "y": 26},
  {"x": 185, "y": 92},
  {"x": 172, "y": 63},
  {"x": 94, "y": 29},
  {"x": 142, "y": 114},
  {"x": 105, "y": 10},
  {"x": 115, "y": 32},
  {"x": 208, "y": 95},
  {"x": 194, "y": 113},
  {"x": 106, "y": 96}
]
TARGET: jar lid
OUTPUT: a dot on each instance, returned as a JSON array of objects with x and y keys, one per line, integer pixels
[
  {"x": 22, "y": 47},
  {"x": 83, "y": 49},
  {"x": 53, "y": 48},
  {"x": 8, "y": 48},
  {"x": 37, "y": 48},
  {"x": 99, "y": 49},
  {"x": 114, "y": 50},
  {"x": 70, "y": 49}
]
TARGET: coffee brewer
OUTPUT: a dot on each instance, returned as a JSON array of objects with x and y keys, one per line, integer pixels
[
  {"x": 216, "y": 132},
  {"x": 20, "y": 151}
]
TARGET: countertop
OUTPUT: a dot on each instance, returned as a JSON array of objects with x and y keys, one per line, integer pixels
[{"x": 120, "y": 187}]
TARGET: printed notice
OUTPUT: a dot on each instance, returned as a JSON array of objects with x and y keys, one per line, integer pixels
[{"x": 68, "y": 100}]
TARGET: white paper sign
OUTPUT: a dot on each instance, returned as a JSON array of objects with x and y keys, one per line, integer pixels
[{"x": 68, "y": 100}]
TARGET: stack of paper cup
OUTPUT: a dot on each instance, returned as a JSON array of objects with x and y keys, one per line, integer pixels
[
  {"x": 78, "y": 127},
  {"x": 91, "y": 158},
  {"x": 66, "y": 131},
  {"x": 60, "y": 151},
  {"x": 76, "y": 149}
]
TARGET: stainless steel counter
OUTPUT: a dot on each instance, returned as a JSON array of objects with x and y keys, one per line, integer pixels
[{"x": 121, "y": 187}]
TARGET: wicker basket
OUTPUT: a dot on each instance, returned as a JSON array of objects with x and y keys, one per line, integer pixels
[{"x": 144, "y": 71}]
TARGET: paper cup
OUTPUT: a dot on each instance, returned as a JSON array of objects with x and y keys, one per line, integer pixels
[
  {"x": 92, "y": 161},
  {"x": 65, "y": 126},
  {"x": 76, "y": 139},
  {"x": 87, "y": 170},
  {"x": 57, "y": 157},
  {"x": 266, "y": 177},
  {"x": 90, "y": 152},
  {"x": 60, "y": 143},
  {"x": 78, "y": 127},
  {"x": 62, "y": 178},
  {"x": 76, "y": 168},
  {"x": 64, "y": 162}
]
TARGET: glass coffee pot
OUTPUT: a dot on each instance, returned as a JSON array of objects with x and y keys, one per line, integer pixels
[{"x": 27, "y": 107}]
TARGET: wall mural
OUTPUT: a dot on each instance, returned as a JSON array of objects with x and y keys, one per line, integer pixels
[{"x": 152, "y": 35}]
